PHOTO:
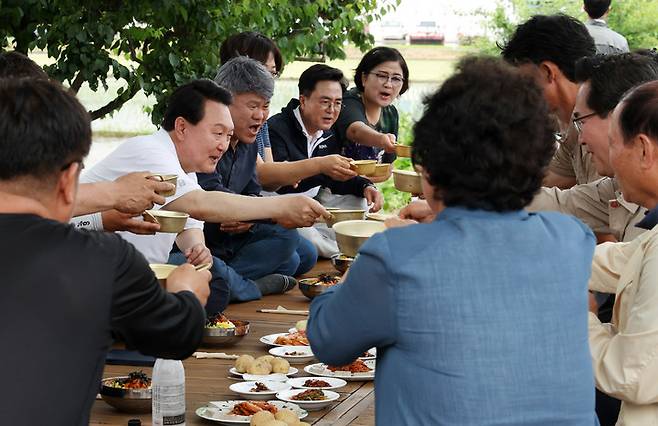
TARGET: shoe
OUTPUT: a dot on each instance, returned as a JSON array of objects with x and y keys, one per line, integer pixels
[{"x": 275, "y": 284}]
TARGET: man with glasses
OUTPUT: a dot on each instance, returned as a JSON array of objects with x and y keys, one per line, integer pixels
[{"x": 302, "y": 132}]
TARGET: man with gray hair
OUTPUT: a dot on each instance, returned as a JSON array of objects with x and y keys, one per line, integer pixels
[{"x": 253, "y": 250}]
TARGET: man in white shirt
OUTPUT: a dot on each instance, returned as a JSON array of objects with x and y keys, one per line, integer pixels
[{"x": 195, "y": 133}]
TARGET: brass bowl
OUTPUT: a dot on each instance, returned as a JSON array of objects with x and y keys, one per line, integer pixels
[
  {"x": 364, "y": 167},
  {"x": 173, "y": 179},
  {"x": 341, "y": 262},
  {"x": 407, "y": 181},
  {"x": 351, "y": 234},
  {"x": 380, "y": 217},
  {"x": 126, "y": 400},
  {"x": 173, "y": 222},
  {"x": 340, "y": 215},
  {"x": 382, "y": 170},
  {"x": 310, "y": 288},
  {"x": 162, "y": 271},
  {"x": 225, "y": 336},
  {"x": 402, "y": 150}
]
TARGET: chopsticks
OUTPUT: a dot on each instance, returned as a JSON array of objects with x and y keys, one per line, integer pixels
[{"x": 282, "y": 310}]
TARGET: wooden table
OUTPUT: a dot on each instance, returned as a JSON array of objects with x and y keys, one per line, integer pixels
[{"x": 208, "y": 379}]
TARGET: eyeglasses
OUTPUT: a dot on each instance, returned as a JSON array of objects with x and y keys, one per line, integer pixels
[
  {"x": 578, "y": 121},
  {"x": 328, "y": 103},
  {"x": 385, "y": 78}
]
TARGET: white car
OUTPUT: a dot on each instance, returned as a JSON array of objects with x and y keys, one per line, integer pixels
[{"x": 392, "y": 30}]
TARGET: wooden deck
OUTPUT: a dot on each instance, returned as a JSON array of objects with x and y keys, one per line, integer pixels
[{"x": 208, "y": 379}]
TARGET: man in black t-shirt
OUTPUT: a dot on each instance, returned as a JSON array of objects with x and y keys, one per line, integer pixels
[{"x": 64, "y": 291}]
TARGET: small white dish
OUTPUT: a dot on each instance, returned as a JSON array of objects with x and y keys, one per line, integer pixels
[
  {"x": 244, "y": 389},
  {"x": 294, "y": 354},
  {"x": 321, "y": 369},
  {"x": 372, "y": 354},
  {"x": 288, "y": 395},
  {"x": 334, "y": 383},
  {"x": 274, "y": 377},
  {"x": 271, "y": 338},
  {"x": 219, "y": 411}
]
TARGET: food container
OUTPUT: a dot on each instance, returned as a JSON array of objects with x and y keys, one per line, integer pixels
[
  {"x": 126, "y": 400},
  {"x": 225, "y": 336},
  {"x": 341, "y": 262},
  {"x": 407, "y": 181},
  {"x": 173, "y": 222},
  {"x": 340, "y": 215},
  {"x": 364, "y": 167},
  {"x": 311, "y": 287},
  {"x": 402, "y": 150},
  {"x": 351, "y": 234},
  {"x": 382, "y": 170},
  {"x": 162, "y": 271},
  {"x": 173, "y": 179}
]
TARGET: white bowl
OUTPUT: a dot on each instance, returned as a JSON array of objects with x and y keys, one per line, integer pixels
[
  {"x": 306, "y": 354},
  {"x": 244, "y": 389},
  {"x": 298, "y": 383},
  {"x": 308, "y": 405}
]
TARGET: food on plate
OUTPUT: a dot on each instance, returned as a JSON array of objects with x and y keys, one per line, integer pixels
[
  {"x": 277, "y": 423},
  {"x": 295, "y": 353},
  {"x": 243, "y": 362},
  {"x": 219, "y": 321},
  {"x": 280, "y": 365},
  {"x": 301, "y": 325},
  {"x": 357, "y": 366},
  {"x": 310, "y": 395},
  {"x": 312, "y": 383},
  {"x": 261, "y": 418},
  {"x": 293, "y": 339},
  {"x": 287, "y": 416},
  {"x": 260, "y": 366},
  {"x": 135, "y": 380},
  {"x": 267, "y": 358},
  {"x": 259, "y": 387},
  {"x": 249, "y": 408}
]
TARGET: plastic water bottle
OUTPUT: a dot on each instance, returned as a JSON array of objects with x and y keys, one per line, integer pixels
[{"x": 168, "y": 393}]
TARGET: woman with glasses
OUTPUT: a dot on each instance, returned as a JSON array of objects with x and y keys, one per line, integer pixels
[{"x": 368, "y": 122}]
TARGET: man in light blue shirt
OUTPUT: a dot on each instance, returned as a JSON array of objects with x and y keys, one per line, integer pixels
[{"x": 607, "y": 41}]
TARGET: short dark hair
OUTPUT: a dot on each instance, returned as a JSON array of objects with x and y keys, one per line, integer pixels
[
  {"x": 16, "y": 65},
  {"x": 610, "y": 76},
  {"x": 376, "y": 56},
  {"x": 559, "y": 38},
  {"x": 639, "y": 112},
  {"x": 44, "y": 128},
  {"x": 188, "y": 101},
  {"x": 596, "y": 8},
  {"x": 485, "y": 143},
  {"x": 319, "y": 72},
  {"x": 252, "y": 44}
]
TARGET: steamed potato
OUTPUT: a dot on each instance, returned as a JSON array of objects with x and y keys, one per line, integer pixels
[
  {"x": 243, "y": 363},
  {"x": 276, "y": 423},
  {"x": 287, "y": 416},
  {"x": 267, "y": 358},
  {"x": 261, "y": 418},
  {"x": 260, "y": 366},
  {"x": 280, "y": 365}
]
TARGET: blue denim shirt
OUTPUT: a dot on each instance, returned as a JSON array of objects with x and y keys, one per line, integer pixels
[{"x": 479, "y": 318}]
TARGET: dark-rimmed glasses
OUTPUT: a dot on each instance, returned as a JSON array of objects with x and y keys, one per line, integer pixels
[{"x": 578, "y": 121}]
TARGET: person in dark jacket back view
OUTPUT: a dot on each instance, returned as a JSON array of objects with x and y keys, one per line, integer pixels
[
  {"x": 64, "y": 291},
  {"x": 302, "y": 130}
]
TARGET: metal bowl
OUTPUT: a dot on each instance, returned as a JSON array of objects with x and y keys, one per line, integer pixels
[
  {"x": 341, "y": 262},
  {"x": 364, "y": 167},
  {"x": 162, "y": 271},
  {"x": 172, "y": 179},
  {"x": 402, "y": 150},
  {"x": 340, "y": 215},
  {"x": 351, "y": 234},
  {"x": 310, "y": 289},
  {"x": 173, "y": 222},
  {"x": 225, "y": 336},
  {"x": 382, "y": 170},
  {"x": 407, "y": 181},
  {"x": 126, "y": 400}
]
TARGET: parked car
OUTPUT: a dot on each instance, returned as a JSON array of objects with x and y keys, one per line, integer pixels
[
  {"x": 427, "y": 32},
  {"x": 392, "y": 30}
]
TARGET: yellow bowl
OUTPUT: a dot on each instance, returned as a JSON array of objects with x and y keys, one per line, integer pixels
[
  {"x": 162, "y": 271},
  {"x": 364, "y": 167},
  {"x": 407, "y": 181},
  {"x": 340, "y": 215},
  {"x": 351, "y": 234},
  {"x": 169, "y": 221},
  {"x": 173, "y": 179},
  {"x": 382, "y": 170},
  {"x": 402, "y": 150}
]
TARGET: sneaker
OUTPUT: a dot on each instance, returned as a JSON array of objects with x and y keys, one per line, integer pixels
[{"x": 275, "y": 284}]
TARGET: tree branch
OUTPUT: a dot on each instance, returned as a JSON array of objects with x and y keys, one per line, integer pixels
[
  {"x": 77, "y": 82},
  {"x": 116, "y": 103}
]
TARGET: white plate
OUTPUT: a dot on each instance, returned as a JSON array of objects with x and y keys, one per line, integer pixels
[
  {"x": 292, "y": 371},
  {"x": 372, "y": 354},
  {"x": 244, "y": 389},
  {"x": 307, "y": 354},
  {"x": 308, "y": 405},
  {"x": 270, "y": 338},
  {"x": 298, "y": 382},
  {"x": 321, "y": 369},
  {"x": 218, "y": 411}
]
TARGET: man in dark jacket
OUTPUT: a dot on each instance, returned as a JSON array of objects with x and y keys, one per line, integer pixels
[{"x": 302, "y": 130}]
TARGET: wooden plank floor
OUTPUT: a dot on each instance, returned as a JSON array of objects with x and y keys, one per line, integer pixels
[{"x": 208, "y": 379}]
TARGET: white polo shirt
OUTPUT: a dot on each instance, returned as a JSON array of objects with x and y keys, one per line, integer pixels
[{"x": 154, "y": 153}]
